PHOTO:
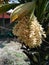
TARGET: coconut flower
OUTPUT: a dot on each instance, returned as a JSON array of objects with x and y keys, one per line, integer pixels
[
  {"x": 29, "y": 32},
  {"x": 28, "y": 28}
]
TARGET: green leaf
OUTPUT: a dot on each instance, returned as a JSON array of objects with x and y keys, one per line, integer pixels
[
  {"x": 40, "y": 8},
  {"x": 6, "y": 7},
  {"x": 22, "y": 10}
]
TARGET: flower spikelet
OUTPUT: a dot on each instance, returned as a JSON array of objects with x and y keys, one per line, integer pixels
[{"x": 30, "y": 32}]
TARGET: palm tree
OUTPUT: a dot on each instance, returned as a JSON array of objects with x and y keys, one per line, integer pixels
[{"x": 31, "y": 19}]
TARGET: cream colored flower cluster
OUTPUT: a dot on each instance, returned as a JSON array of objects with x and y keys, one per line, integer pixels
[{"x": 30, "y": 32}]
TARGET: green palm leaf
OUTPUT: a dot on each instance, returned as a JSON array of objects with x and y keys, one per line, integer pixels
[{"x": 40, "y": 8}]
